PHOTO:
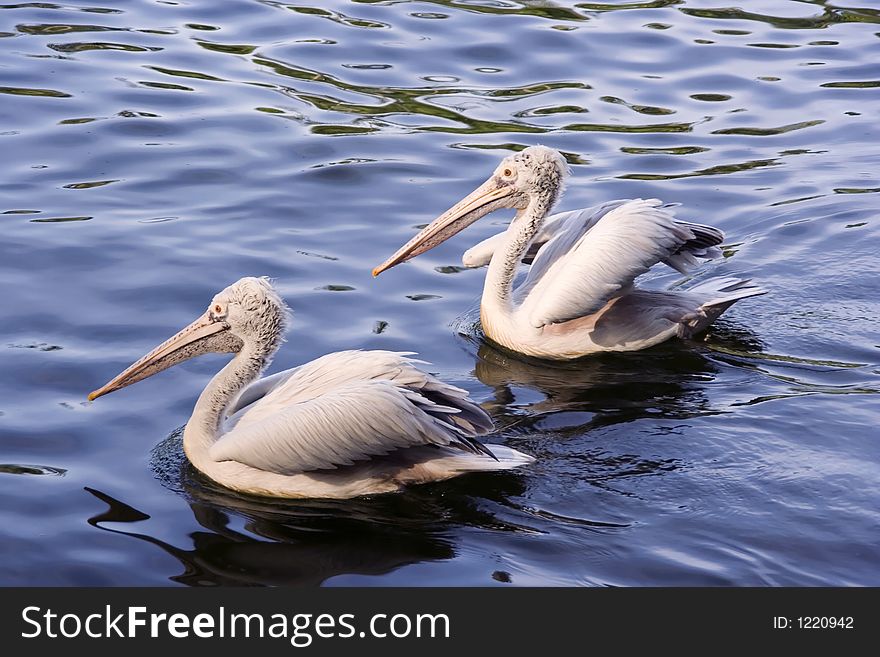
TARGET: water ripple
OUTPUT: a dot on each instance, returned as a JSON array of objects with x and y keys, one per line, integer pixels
[
  {"x": 18, "y": 469},
  {"x": 46, "y": 93},
  {"x": 155, "y": 152}
]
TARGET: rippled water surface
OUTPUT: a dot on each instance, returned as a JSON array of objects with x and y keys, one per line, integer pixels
[{"x": 155, "y": 151}]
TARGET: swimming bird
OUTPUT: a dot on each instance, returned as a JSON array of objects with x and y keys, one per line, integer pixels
[
  {"x": 579, "y": 296},
  {"x": 347, "y": 424}
]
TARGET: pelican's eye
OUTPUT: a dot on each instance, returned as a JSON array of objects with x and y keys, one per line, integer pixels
[
  {"x": 217, "y": 311},
  {"x": 508, "y": 173}
]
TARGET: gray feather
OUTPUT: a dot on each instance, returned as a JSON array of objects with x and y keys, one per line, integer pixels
[{"x": 347, "y": 407}]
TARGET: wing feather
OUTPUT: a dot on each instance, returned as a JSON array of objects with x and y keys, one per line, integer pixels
[
  {"x": 581, "y": 220},
  {"x": 579, "y": 271},
  {"x": 353, "y": 423},
  {"x": 703, "y": 245},
  {"x": 258, "y": 389},
  {"x": 347, "y": 407}
]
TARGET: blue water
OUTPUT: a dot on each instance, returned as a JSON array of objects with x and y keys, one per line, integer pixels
[{"x": 153, "y": 152}]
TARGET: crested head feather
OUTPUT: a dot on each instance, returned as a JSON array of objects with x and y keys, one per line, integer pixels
[{"x": 264, "y": 316}]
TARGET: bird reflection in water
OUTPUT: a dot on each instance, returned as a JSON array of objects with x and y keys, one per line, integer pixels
[
  {"x": 563, "y": 411},
  {"x": 558, "y": 410},
  {"x": 668, "y": 381},
  {"x": 307, "y": 542}
]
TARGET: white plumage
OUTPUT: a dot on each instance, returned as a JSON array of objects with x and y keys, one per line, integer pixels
[
  {"x": 579, "y": 296},
  {"x": 577, "y": 272},
  {"x": 346, "y": 424},
  {"x": 346, "y": 407}
]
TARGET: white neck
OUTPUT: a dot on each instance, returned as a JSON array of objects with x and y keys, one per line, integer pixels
[
  {"x": 203, "y": 427},
  {"x": 498, "y": 289}
]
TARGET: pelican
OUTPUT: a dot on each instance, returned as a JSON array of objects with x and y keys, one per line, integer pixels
[
  {"x": 579, "y": 296},
  {"x": 347, "y": 424}
]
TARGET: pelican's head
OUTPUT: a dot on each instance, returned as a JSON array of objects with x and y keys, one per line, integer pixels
[
  {"x": 255, "y": 312},
  {"x": 534, "y": 178},
  {"x": 536, "y": 173},
  {"x": 247, "y": 314}
]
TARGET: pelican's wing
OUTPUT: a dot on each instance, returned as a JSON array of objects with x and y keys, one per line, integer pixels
[
  {"x": 481, "y": 253},
  {"x": 259, "y": 389},
  {"x": 364, "y": 419},
  {"x": 579, "y": 271},
  {"x": 575, "y": 224},
  {"x": 328, "y": 373},
  {"x": 348, "y": 407},
  {"x": 704, "y": 244},
  {"x": 583, "y": 219}
]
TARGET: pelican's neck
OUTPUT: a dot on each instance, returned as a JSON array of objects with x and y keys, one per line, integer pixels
[
  {"x": 203, "y": 427},
  {"x": 498, "y": 289}
]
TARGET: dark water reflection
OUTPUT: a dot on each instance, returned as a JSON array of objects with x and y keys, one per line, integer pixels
[
  {"x": 156, "y": 151},
  {"x": 279, "y": 547},
  {"x": 612, "y": 387},
  {"x": 246, "y": 540}
]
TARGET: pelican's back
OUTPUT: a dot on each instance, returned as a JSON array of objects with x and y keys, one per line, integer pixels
[{"x": 359, "y": 416}]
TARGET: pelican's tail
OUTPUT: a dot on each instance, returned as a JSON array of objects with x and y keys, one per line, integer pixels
[
  {"x": 448, "y": 462},
  {"x": 725, "y": 291},
  {"x": 502, "y": 458},
  {"x": 717, "y": 295},
  {"x": 507, "y": 457}
]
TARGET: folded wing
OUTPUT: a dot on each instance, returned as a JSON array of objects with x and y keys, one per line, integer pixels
[
  {"x": 347, "y": 407},
  {"x": 584, "y": 266}
]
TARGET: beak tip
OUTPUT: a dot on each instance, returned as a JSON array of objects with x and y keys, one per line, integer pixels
[
  {"x": 376, "y": 271},
  {"x": 94, "y": 394}
]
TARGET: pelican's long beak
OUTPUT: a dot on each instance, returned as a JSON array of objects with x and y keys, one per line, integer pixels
[
  {"x": 202, "y": 336},
  {"x": 484, "y": 199}
]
